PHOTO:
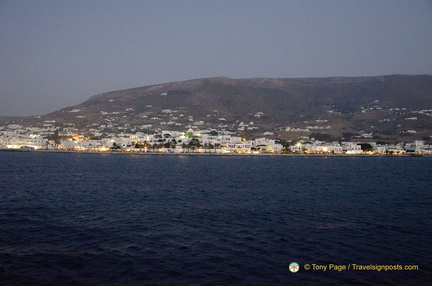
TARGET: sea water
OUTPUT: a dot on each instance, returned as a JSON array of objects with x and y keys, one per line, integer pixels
[{"x": 122, "y": 219}]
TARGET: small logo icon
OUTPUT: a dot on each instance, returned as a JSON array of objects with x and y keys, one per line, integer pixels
[{"x": 294, "y": 267}]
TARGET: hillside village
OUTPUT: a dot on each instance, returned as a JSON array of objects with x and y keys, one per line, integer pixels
[
  {"x": 16, "y": 137},
  {"x": 379, "y": 115},
  {"x": 371, "y": 121}
]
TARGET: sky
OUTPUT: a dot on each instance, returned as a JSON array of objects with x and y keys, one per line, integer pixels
[{"x": 55, "y": 54}]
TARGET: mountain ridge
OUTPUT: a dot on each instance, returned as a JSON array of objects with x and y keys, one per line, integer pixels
[{"x": 348, "y": 104}]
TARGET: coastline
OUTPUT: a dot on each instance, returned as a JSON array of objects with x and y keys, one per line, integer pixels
[{"x": 215, "y": 154}]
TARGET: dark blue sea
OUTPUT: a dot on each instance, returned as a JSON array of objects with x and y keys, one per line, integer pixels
[{"x": 122, "y": 219}]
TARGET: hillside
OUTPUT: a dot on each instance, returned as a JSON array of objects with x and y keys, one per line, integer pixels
[
  {"x": 9, "y": 119},
  {"x": 386, "y": 106}
]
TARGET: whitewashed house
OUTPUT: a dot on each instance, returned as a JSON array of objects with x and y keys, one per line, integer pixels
[{"x": 351, "y": 148}]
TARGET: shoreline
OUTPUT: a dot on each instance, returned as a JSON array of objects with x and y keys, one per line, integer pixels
[{"x": 215, "y": 154}]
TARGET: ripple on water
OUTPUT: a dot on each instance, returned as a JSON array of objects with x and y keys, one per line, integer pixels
[{"x": 75, "y": 219}]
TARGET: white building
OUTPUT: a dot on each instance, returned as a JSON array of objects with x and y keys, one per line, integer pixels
[{"x": 351, "y": 148}]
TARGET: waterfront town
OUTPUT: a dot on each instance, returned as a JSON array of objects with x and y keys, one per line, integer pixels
[{"x": 16, "y": 137}]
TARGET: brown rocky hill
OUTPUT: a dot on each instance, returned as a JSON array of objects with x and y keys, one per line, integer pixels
[{"x": 333, "y": 105}]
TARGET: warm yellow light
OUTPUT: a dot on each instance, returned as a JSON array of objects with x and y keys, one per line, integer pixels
[{"x": 13, "y": 146}]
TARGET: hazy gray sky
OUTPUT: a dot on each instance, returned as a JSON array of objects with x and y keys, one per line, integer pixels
[{"x": 55, "y": 54}]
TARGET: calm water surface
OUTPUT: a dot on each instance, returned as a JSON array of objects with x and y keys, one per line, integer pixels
[{"x": 116, "y": 219}]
